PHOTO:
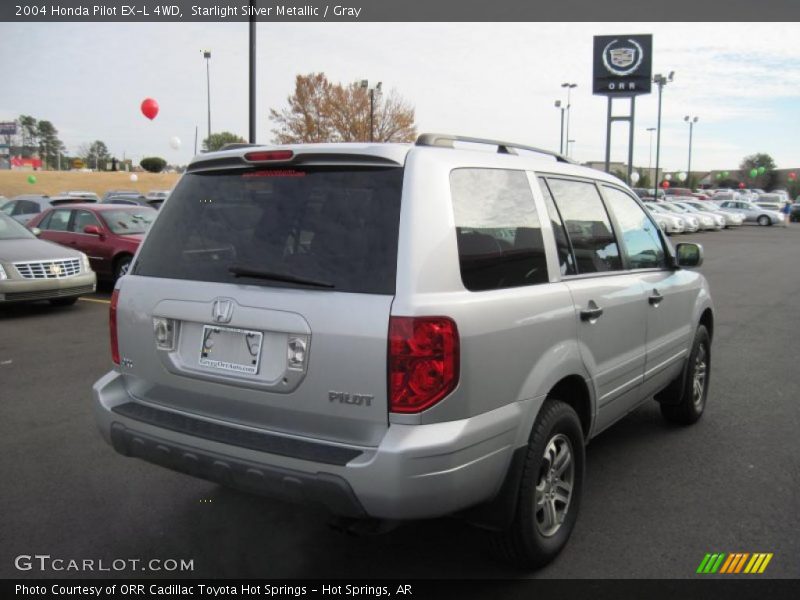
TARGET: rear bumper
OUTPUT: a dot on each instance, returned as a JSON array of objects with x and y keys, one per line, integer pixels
[
  {"x": 417, "y": 471},
  {"x": 26, "y": 290}
]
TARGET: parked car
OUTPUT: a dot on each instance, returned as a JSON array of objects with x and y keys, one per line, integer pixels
[
  {"x": 668, "y": 223},
  {"x": 157, "y": 194},
  {"x": 794, "y": 212},
  {"x": 678, "y": 191},
  {"x": 708, "y": 219},
  {"x": 648, "y": 193},
  {"x": 134, "y": 201},
  {"x": 110, "y": 193},
  {"x": 88, "y": 196},
  {"x": 730, "y": 219},
  {"x": 402, "y": 331},
  {"x": 24, "y": 208},
  {"x": 753, "y": 213},
  {"x": 32, "y": 269},
  {"x": 3, "y": 201},
  {"x": 690, "y": 223},
  {"x": 109, "y": 233}
]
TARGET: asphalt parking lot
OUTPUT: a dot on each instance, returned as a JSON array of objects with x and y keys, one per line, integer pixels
[{"x": 657, "y": 497}]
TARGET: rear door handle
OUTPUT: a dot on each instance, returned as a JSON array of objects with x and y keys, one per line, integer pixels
[
  {"x": 655, "y": 298},
  {"x": 591, "y": 312}
]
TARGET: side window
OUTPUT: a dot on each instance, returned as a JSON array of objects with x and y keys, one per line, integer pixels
[
  {"x": 27, "y": 207},
  {"x": 640, "y": 238},
  {"x": 565, "y": 260},
  {"x": 9, "y": 208},
  {"x": 58, "y": 221},
  {"x": 588, "y": 226},
  {"x": 82, "y": 219},
  {"x": 499, "y": 237}
]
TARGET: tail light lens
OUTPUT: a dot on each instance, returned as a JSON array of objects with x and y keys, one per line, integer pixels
[
  {"x": 112, "y": 327},
  {"x": 261, "y": 156},
  {"x": 423, "y": 362}
]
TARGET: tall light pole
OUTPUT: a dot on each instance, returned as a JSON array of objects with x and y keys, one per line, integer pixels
[
  {"x": 371, "y": 90},
  {"x": 207, "y": 56},
  {"x": 561, "y": 139},
  {"x": 650, "y": 158},
  {"x": 569, "y": 87},
  {"x": 568, "y": 143},
  {"x": 691, "y": 121},
  {"x": 252, "y": 77},
  {"x": 660, "y": 81}
]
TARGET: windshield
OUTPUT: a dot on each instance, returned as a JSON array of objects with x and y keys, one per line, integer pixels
[
  {"x": 287, "y": 227},
  {"x": 128, "y": 222},
  {"x": 11, "y": 230}
]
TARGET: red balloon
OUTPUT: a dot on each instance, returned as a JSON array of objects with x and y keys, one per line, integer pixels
[
  {"x": 792, "y": 175},
  {"x": 741, "y": 185},
  {"x": 149, "y": 108},
  {"x": 665, "y": 184}
]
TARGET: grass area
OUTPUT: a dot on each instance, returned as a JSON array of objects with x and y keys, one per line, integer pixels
[{"x": 13, "y": 183}]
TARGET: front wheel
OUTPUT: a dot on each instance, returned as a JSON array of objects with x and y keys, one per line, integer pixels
[
  {"x": 123, "y": 264},
  {"x": 763, "y": 220},
  {"x": 550, "y": 490},
  {"x": 684, "y": 401}
]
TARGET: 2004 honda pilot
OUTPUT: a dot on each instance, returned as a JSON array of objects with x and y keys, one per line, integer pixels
[{"x": 402, "y": 331}]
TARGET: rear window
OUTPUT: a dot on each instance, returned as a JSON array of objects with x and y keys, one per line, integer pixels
[{"x": 323, "y": 227}]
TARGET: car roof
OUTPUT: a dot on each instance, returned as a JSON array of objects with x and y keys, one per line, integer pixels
[{"x": 101, "y": 207}]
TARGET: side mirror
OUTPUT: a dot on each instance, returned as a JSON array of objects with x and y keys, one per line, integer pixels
[
  {"x": 688, "y": 255},
  {"x": 92, "y": 230},
  {"x": 36, "y": 231}
]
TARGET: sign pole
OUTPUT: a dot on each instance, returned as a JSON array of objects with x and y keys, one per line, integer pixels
[
  {"x": 630, "y": 139},
  {"x": 608, "y": 135}
]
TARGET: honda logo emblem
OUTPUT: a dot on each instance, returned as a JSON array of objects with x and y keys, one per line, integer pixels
[{"x": 222, "y": 310}]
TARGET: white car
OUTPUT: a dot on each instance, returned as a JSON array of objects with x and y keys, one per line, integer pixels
[
  {"x": 706, "y": 220},
  {"x": 690, "y": 223},
  {"x": 668, "y": 223},
  {"x": 753, "y": 213},
  {"x": 699, "y": 209},
  {"x": 731, "y": 219}
]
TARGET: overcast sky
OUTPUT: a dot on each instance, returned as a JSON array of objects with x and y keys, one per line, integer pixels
[{"x": 496, "y": 80}]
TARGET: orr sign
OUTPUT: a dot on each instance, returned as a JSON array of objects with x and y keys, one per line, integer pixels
[{"x": 623, "y": 65}]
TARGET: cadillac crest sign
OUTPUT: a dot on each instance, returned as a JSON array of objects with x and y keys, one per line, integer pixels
[{"x": 622, "y": 64}]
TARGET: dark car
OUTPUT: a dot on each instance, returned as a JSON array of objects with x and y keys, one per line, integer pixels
[
  {"x": 27, "y": 206},
  {"x": 794, "y": 214},
  {"x": 109, "y": 234}
]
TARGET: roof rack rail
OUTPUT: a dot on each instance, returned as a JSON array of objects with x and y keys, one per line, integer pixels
[
  {"x": 237, "y": 145},
  {"x": 445, "y": 140}
]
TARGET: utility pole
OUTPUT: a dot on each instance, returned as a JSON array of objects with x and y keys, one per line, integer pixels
[
  {"x": 252, "y": 136},
  {"x": 660, "y": 81}
]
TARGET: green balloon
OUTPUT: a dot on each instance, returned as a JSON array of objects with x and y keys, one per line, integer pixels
[
  {"x": 753, "y": 172},
  {"x": 762, "y": 170},
  {"x": 31, "y": 179},
  {"x": 719, "y": 175},
  {"x": 725, "y": 174}
]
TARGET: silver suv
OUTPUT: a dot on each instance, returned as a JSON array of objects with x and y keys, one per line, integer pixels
[{"x": 402, "y": 331}]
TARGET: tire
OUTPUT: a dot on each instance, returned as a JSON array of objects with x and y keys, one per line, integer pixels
[
  {"x": 763, "y": 220},
  {"x": 64, "y": 301},
  {"x": 122, "y": 265},
  {"x": 684, "y": 400},
  {"x": 537, "y": 535}
]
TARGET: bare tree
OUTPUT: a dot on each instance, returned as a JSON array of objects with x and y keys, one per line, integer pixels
[{"x": 320, "y": 111}]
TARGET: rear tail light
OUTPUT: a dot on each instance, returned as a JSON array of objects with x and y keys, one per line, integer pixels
[
  {"x": 423, "y": 362},
  {"x": 269, "y": 155},
  {"x": 112, "y": 326}
]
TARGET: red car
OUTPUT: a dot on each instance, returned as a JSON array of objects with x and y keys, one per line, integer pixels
[{"x": 108, "y": 233}]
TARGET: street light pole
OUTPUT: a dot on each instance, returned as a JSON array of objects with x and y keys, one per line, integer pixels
[
  {"x": 252, "y": 76},
  {"x": 650, "y": 157},
  {"x": 660, "y": 81},
  {"x": 569, "y": 87},
  {"x": 371, "y": 91},
  {"x": 207, "y": 56},
  {"x": 691, "y": 121},
  {"x": 561, "y": 139}
]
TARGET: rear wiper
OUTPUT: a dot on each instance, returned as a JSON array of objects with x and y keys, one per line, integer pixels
[{"x": 242, "y": 271}]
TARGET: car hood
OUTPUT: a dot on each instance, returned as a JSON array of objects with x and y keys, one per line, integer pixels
[{"x": 21, "y": 250}]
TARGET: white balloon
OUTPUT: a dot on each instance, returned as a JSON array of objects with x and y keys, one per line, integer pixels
[
  {"x": 667, "y": 176},
  {"x": 635, "y": 177},
  {"x": 682, "y": 176},
  {"x": 134, "y": 177},
  {"x": 175, "y": 142}
]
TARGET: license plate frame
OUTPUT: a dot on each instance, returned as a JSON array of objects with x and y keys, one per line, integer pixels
[{"x": 228, "y": 336}]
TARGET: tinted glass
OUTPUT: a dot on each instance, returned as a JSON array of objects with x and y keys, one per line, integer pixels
[
  {"x": 26, "y": 207},
  {"x": 565, "y": 259},
  {"x": 57, "y": 221},
  {"x": 11, "y": 230},
  {"x": 498, "y": 232},
  {"x": 133, "y": 221},
  {"x": 640, "y": 237},
  {"x": 8, "y": 208},
  {"x": 588, "y": 226},
  {"x": 331, "y": 225},
  {"x": 82, "y": 219}
]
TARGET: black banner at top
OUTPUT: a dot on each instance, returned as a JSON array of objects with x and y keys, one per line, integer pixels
[{"x": 396, "y": 10}]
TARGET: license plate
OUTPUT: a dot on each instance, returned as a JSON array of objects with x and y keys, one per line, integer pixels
[{"x": 230, "y": 349}]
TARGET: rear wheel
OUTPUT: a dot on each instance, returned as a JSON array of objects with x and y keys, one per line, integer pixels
[
  {"x": 122, "y": 265},
  {"x": 550, "y": 490},
  {"x": 684, "y": 400},
  {"x": 64, "y": 301},
  {"x": 763, "y": 220}
]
